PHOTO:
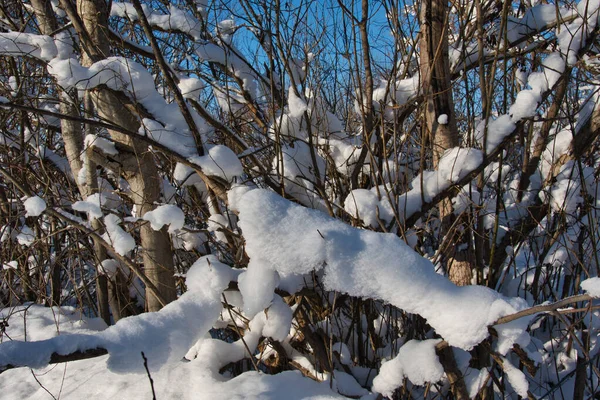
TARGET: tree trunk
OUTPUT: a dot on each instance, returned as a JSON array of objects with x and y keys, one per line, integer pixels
[
  {"x": 141, "y": 173},
  {"x": 437, "y": 88},
  {"x": 139, "y": 166},
  {"x": 72, "y": 134}
]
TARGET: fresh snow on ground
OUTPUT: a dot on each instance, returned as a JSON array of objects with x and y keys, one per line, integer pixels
[
  {"x": 92, "y": 380},
  {"x": 165, "y": 337}
]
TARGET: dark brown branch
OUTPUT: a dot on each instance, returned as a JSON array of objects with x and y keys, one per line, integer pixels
[
  {"x": 56, "y": 358},
  {"x": 457, "y": 382}
]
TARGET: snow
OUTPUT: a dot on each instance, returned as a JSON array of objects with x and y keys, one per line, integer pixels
[
  {"x": 565, "y": 193},
  {"x": 168, "y": 126},
  {"x": 516, "y": 378},
  {"x": 163, "y": 336},
  {"x": 347, "y": 385},
  {"x": 416, "y": 360},
  {"x": 10, "y": 265},
  {"x": 284, "y": 239},
  {"x": 257, "y": 284},
  {"x": 107, "y": 146},
  {"x": 177, "y": 19},
  {"x": 26, "y": 236},
  {"x": 296, "y": 105},
  {"x": 19, "y": 44},
  {"x": 399, "y": 92},
  {"x": 278, "y": 320},
  {"x": 220, "y": 161},
  {"x": 525, "y": 105},
  {"x": 343, "y": 153},
  {"x": 108, "y": 267},
  {"x": 497, "y": 131},
  {"x": 190, "y": 87},
  {"x": 554, "y": 66},
  {"x": 189, "y": 240},
  {"x": 454, "y": 165},
  {"x": 362, "y": 204},
  {"x": 216, "y": 224},
  {"x": 91, "y": 380},
  {"x": 511, "y": 333},
  {"x": 166, "y": 214},
  {"x": 91, "y": 205},
  {"x": 573, "y": 36},
  {"x": 287, "y": 126},
  {"x": 527, "y": 100},
  {"x": 534, "y": 20},
  {"x": 210, "y": 52},
  {"x": 474, "y": 380},
  {"x": 555, "y": 149},
  {"x": 120, "y": 240},
  {"x": 169, "y": 135},
  {"x": 235, "y": 194},
  {"x": 34, "y": 206},
  {"x": 457, "y": 162},
  {"x": 185, "y": 175},
  {"x": 34, "y": 322},
  {"x": 342, "y": 349},
  {"x": 285, "y": 242},
  {"x": 300, "y": 171},
  {"x": 591, "y": 286}
]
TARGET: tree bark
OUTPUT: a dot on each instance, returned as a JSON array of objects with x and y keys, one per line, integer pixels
[
  {"x": 141, "y": 173},
  {"x": 72, "y": 134},
  {"x": 437, "y": 88},
  {"x": 139, "y": 167}
]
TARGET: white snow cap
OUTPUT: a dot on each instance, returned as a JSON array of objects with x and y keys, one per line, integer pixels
[
  {"x": 296, "y": 105},
  {"x": 108, "y": 267},
  {"x": 121, "y": 241},
  {"x": 362, "y": 203},
  {"x": 34, "y": 206},
  {"x": 592, "y": 287},
  {"x": 91, "y": 205},
  {"x": 166, "y": 214},
  {"x": 416, "y": 361},
  {"x": 26, "y": 236},
  {"x": 220, "y": 161},
  {"x": 443, "y": 119},
  {"x": 10, "y": 265}
]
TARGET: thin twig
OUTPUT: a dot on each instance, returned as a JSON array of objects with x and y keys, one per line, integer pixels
[{"x": 149, "y": 376}]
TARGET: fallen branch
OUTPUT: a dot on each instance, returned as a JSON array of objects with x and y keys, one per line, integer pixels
[{"x": 56, "y": 358}]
